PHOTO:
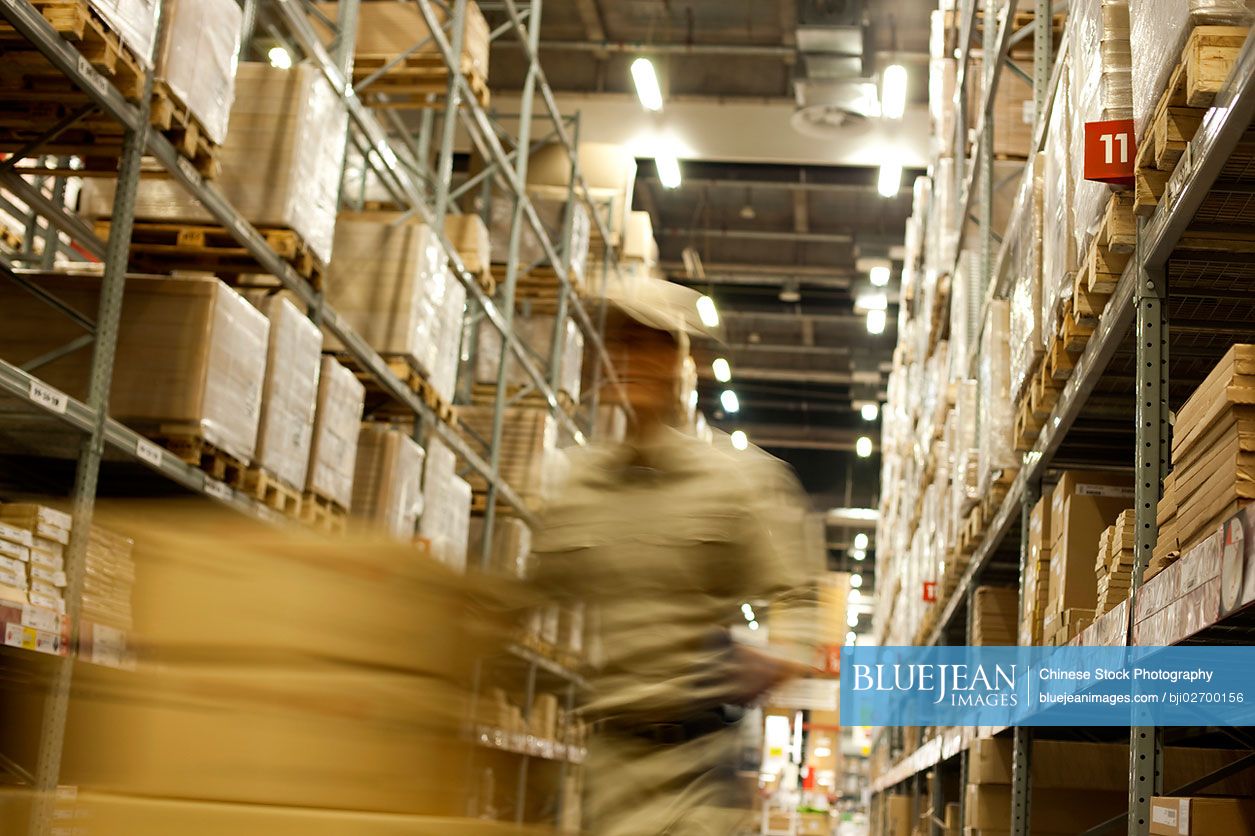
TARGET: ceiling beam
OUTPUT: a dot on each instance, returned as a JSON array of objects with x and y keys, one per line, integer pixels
[
  {"x": 801, "y": 213},
  {"x": 836, "y": 320},
  {"x": 808, "y": 270},
  {"x": 603, "y": 45},
  {"x": 801, "y": 438},
  {"x": 825, "y": 378},
  {"x": 770, "y": 280},
  {"x": 782, "y": 185},
  {"x": 759, "y": 235}
]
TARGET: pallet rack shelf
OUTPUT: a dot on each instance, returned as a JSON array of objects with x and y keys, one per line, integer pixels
[
  {"x": 92, "y": 432},
  {"x": 1136, "y": 331}
]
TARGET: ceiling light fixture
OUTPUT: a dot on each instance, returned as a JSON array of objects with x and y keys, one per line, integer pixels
[
  {"x": 861, "y": 540},
  {"x": 893, "y": 86},
  {"x": 870, "y": 411},
  {"x": 889, "y": 182},
  {"x": 740, "y": 440},
  {"x": 880, "y": 276},
  {"x": 646, "y": 81},
  {"x": 730, "y": 403},
  {"x": 852, "y": 619},
  {"x": 708, "y": 312},
  {"x": 851, "y": 637},
  {"x": 669, "y": 170},
  {"x": 858, "y": 554},
  {"x": 856, "y": 581},
  {"x": 876, "y": 322},
  {"x": 722, "y": 370},
  {"x": 279, "y": 58},
  {"x": 753, "y": 625},
  {"x": 863, "y": 447}
]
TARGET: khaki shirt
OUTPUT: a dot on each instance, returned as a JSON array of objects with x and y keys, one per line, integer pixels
[{"x": 665, "y": 541}]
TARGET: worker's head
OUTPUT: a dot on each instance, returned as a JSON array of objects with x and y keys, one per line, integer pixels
[{"x": 650, "y": 364}]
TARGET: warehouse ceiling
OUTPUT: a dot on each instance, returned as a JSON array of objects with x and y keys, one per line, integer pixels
[{"x": 779, "y": 197}]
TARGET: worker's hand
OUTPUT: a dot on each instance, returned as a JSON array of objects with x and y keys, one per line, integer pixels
[{"x": 758, "y": 673}]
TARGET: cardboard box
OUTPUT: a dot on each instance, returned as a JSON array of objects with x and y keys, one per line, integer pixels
[
  {"x": 289, "y": 394},
  {"x": 995, "y": 616},
  {"x": 1202, "y": 816},
  {"x": 337, "y": 422},
  {"x": 1083, "y": 504},
  {"x": 386, "y": 30},
  {"x": 191, "y": 353},
  {"x": 469, "y": 236},
  {"x": 388, "y": 480},
  {"x": 608, "y": 170},
  {"x": 1053, "y": 811}
]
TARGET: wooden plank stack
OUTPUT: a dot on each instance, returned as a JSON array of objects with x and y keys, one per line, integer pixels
[
  {"x": 1213, "y": 449},
  {"x": 996, "y": 616},
  {"x": 1114, "y": 568},
  {"x": 1167, "y": 548}
]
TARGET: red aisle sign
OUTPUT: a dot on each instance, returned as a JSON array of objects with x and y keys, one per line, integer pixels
[
  {"x": 1110, "y": 152},
  {"x": 930, "y": 592}
]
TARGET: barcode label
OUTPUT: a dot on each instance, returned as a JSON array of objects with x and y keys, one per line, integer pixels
[
  {"x": 146, "y": 451},
  {"x": 88, "y": 72},
  {"x": 1164, "y": 815},
  {"x": 48, "y": 397},
  {"x": 39, "y": 619},
  {"x": 217, "y": 490},
  {"x": 1114, "y": 491}
]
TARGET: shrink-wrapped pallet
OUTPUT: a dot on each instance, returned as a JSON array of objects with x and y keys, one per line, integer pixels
[
  {"x": 286, "y": 124},
  {"x": 942, "y": 78},
  {"x": 333, "y": 453},
  {"x": 199, "y": 51},
  {"x": 941, "y": 245},
  {"x": 1012, "y": 111},
  {"x": 997, "y": 446},
  {"x": 963, "y": 293},
  {"x": 536, "y": 333},
  {"x": 1159, "y": 29},
  {"x": 552, "y": 214},
  {"x": 290, "y": 392},
  {"x": 191, "y": 353},
  {"x": 134, "y": 21},
  {"x": 390, "y": 282},
  {"x": 469, "y": 236},
  {"x": 511, "y": 545},
  {"x": 1026, "y": 344},
  {"x": 529, "y": 435},
  {"x": 446, "y": 507},
  {"x": 388, "y": 480},
  {"x": 608, "y": 170},
  {"x": 966, "y": 470},
  {"x": 444, "y": 376},
  {"x": 1058, "y": 188},
  {"x": 1101, "y": 90}
]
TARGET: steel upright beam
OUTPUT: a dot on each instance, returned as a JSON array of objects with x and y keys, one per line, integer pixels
[
  {"x": 557, "y": 344},
  {"x": 449, "y": 127},
  {"x": 1043, "y": 46},
  {"x": 1152, "y": 456},
  {"x": 985, "y": 175},
  {"x": 511, "y": 279},
  {"x": 938, "y": 804},
  {"x": 1022, "y": 745},
  {"x": 56, "y": 706}
]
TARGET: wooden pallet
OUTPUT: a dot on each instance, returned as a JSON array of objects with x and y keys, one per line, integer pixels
[
  {"x": 1027, "y": 426},
  {"x": 379, "y": 402},
  {"x": 166, "y": 246},
  {"x": 184, "y": 130},
  {"x": 479, "y": 504},
  {"x": 1043, "y": 393},
  {"x": 1209, "y": 56},
  {"x": 415, "y": 78},
  {"x": 188, "y": 444},
  {"x": 323, "y": 514},
  {"x": 25, "y": 70},
  {"x": 272, "y": 492},
  {"x": 486, "y": 394},
  {"x": 536, "y": 290}
]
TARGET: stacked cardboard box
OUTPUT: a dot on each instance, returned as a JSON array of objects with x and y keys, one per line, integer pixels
[
  {"x": 1213, "y": 448},
  {"x": 1167, "y": 546},
  {"x": 1082, "y": 505},
  {"x": 134, "y": 21},
  {"x": 1037, "y": 573},
  {"x": 528, "y": 443},
  {"x": 446, "y": 516},
  {"x": 198, "y": 56},
  {"x": 469, "y": 236},
  {"x": 110, "y": 579},
  {"x": 997, "y": 611},
  {"x": 1202, "y": 816},
  {"x": 191, "y": 354},
  {"x": 289, "y": 394},
  {"x": 1114, "y": 568},
  {"x": 387, "y": 481},
  {"x": 537, "y": 333},
  {"x": 337, "y": 423},
  {"x": 996, "y": 444},
  {"x": 552, "y": 211},
  {"x": 1013, "y": 112},
  {"x": 608, "y": 170},
  {"x": 511, "y": 545},
  {"x": 292, "y": 120},
  {"x": 32, "y": 557}
]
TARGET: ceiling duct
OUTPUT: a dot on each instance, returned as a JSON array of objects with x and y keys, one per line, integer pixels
[{"x": 832, "y": 88}]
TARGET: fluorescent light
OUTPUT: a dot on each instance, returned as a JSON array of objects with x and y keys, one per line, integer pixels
[
  {"x": 856, "y": 581},
  {"x": 852, "y": 619},
  {"x": 723, "y": 371},
  {"x": 861, "y": 540},
  {"x": 876, "y": 322},
  {"x": 870, "y": 411},
  {"x": 747, "y": 611},
  {"x": 646, "y": 81},
  {"x": 863, "y": 447},
  {"x": 890, "y": 180},
  {"x": 730, "y": 403},
  {"x": 872, "y": 302},
  {"x": 823, "y": 752},
  {"x": 855, "y": 596},
  {"x": 852, "y": 516},
  {"x": 740, "y": 440},
  {"x": 880, "y": 276},
  {"x": 707, "y": 311},
  {"x": 893, "y": 86},
  {"x": 669, "y": 171},
  {"x": 279, "y": 58},
  {"x": 858, "y": 554},
  {"x": 851, "y": 637},
  {"x": 753, "y": 625}
]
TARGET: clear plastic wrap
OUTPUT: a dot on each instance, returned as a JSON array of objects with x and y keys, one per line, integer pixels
[
  {"x": 388, "y": 479},
  {"x": 444, "y": 376},
  {"x": 528, "y": 435},
  {"x": 293, "y": 363},
  {"x": 1026, "y": 344},
  {"x": 291, "y": 120},
  {"x": 942, "y": 79},
  {"x": 536, "y": 332},
  {"x": 967, "y": 450},
  {"x": 1058, "y": 249},
  {"x": 943, "y": 229},
  {"x": 333, "y": 453},
  {"x": 552, "y": 214},
  {"x": 1100, "y": 90},
  {"x": 446, "y": 507},
  {"x": 1159, "y": 29},
  {"x": 511, "y": 545},
  {"x": 135, "y": 21},
  {"x": 199, "y": 52},
  {"x": 997, "y": 445},
  {"x": 960, "y": 316},
  {"x": 390, "y": 282}
]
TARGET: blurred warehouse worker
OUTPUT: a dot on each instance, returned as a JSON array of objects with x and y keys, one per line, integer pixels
[{"x": 666, "y": 536}]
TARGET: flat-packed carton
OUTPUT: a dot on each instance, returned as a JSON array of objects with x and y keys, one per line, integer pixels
[
  {"x": 199, "y": 52},
  {"x": 1082, "y": 505},
  {"x": 333, "y": 452},
  {"x": 1202, "y": 816},
  {"x": 388, "y": 482},
  {"x": 289, "y": 396}
]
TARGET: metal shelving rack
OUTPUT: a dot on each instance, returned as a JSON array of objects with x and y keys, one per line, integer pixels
[
  {"x": 88, "y": 424},
  {"x": 1134, "y": 327}
]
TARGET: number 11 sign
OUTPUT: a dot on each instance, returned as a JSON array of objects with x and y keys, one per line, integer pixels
[{"x": 1110, "y": 152}]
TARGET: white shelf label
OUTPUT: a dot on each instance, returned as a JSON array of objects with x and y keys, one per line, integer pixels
[
  {"x": 146, "y": 451},
  {"x": 50, "y": 398},
  {"x": 218, "y": 490},
  {"x": 40, "y": 619},
  {"x": 88, "y": 72}
]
